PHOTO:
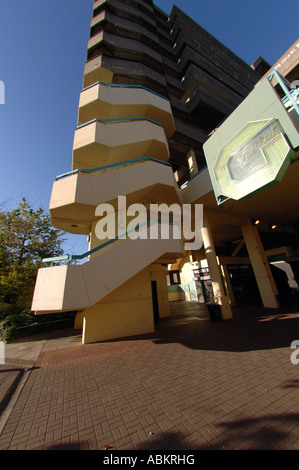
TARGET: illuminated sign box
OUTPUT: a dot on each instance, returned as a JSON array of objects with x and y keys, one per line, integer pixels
[
  {"x": 253, "y": 147},
  {"x": 256, "y": 157}
]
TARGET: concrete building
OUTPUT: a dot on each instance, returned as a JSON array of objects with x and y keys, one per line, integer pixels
[{"x": 166, "y": 116}]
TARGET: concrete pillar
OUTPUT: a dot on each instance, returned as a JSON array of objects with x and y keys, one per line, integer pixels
[
  {"x": 228, "y": 285},
  {"x": 220, "y": 296},
  {"x": 260, "y": 266},
  {"x": 192, "y": 163}
]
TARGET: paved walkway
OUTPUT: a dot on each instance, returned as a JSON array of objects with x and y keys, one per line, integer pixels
[{"x": 194, "y": 384}]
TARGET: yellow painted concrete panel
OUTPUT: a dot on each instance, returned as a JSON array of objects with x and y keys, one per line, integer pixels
[
  {"x": 126, "y": 312},
  {"x": 63, "y": 192},
  {"x": 79, "y": 318},
  {"x": 175, "y": 296},
  {"x": 80, "y": 286},
  {"x": 197, "y": 188},
  {"x": 94, "y": 72},
  {"x": 97, "y": 3},
  {"x": 136, "y": 288},
  {"x": 95, "y": 40},
  {"x": 76, "y": 292},
  {"x": 75, "y": 226},
  {"x": 75, "y": 198},
  {"x": 112, "y": 321},
  {"x": 112, "y": 102},
  {"x": 220, "y": 296},
  {"x": 71, "y": 197},
  {"x": 260, "y": 265},
  {"x": 49, "y": 289},
  {"x": 98, "y": 144},
  {"x": 104, "y": 273},
  {"x": 85, "y": 136},
  {"x": 89, "y": 96},
  {"x": 98, "y": 18}
]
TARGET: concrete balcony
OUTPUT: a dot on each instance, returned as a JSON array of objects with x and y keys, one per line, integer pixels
[
  {"x": 75, "y": 198},
  {"x": 97, "y": 69},
  {"x": 107, "y": 101},
  {"x": 121, "y": 46},
  {"x": 132, "y": 29},
  {"x": 101, "y": 143},
  {"x": 102, "y": 68},
  {"x": 98, "y": 3},
  {"x": 142, "y": 15}
]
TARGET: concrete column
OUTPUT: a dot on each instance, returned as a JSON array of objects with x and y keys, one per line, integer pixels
[
  {"x": 220, "y": 296},
  {"x": 192, "y": 163},
  {"x": 260, "y": 266},
  {"x": 228, "y": 285}
]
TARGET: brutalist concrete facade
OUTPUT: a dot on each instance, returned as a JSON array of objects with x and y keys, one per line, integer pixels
[{"x": 175, "y": 57}]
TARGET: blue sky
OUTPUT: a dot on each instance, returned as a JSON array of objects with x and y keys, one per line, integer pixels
[{"x": 42, "y": 55}]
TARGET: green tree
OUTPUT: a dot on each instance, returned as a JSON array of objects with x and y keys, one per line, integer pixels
[{"x": 26, "y": 237}]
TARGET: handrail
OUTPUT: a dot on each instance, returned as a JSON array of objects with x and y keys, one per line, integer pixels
[
  {"x": 119, "y": 237},
  {"x": 71, "y": 258},
  {"x": 124, "y": 85},
  {"x": 113, "y": 165},
  {"x": 285, "y": 85},
  {"x": 293, "y": 92},
  {"x": 107, "y": 121},
  {"x": 55, "y": 258},
  {"x": 194, "y": 176}
]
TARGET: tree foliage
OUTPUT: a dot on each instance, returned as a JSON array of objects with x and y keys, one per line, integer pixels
[{"x": 26, "y": 237}]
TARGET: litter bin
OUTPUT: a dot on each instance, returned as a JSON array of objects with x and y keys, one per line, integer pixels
[{"x": 214, "y": 312}]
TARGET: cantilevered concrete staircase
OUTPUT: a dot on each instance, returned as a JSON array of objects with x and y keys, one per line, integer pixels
[{"x": 120, "y": 149}]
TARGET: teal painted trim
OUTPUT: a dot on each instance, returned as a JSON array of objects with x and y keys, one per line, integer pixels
[
  {"x": 64, "y": 175},
  {"x": 123, "y": 85},
  {"x": 194, "y": 176},
  {"x": 222, "y": 201},
  {"x": 293, "y": 93},
  {"x": 56, "y": 258},
  {"x": 110, "y": 242},
  {"x": 294, "y": 160},
  {"x": 114, "y": 165},
  {"x": 100, "y": 247},
  {"x": 108, "y": 121},
  {"x": 285, "y": 85}
]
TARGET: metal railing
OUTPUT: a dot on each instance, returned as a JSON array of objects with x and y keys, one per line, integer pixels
[
  {"x": 114, "y": 121},
  {"x": 109, "y": 167},
  {"x": 194, "y": 176},
  {"x": 70, "y": 259},
  {"x": 291, "y": 94}
]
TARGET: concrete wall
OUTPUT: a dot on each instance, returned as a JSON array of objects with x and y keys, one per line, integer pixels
[{"x": 126, "y": 312}]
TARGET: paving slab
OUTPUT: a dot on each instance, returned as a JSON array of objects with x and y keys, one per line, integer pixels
[{"x": 192, "y": 385}]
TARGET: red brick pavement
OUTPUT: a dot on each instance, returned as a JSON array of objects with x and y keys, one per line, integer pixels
[{"x": 192, "y": 385}]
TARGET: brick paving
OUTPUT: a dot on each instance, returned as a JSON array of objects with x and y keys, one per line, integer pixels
[{"x": 193, "y": 385}]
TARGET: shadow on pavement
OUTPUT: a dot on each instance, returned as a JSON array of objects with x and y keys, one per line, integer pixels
[{"x": 250, "y": 329}]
